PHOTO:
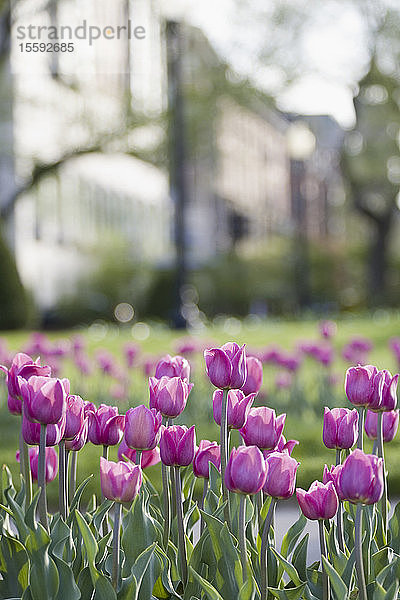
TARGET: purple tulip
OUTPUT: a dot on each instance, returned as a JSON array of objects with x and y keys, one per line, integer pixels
[
  {"x": 389, "y": 394},
  {"x": 246, "y": 470},
  {"x": 106, "y": 426},
  {"x": 173, "y": 366},
  {"x": 359, "y": 384},
  {"x": 45, "y": 398},
  {"x": 177, "y": 445},
  {"x": 226, "y": 366},
  {"x": 79, "y": 441},
  {"x": 361, "y": 478},
  {"x": 22, "y": 368},
  {"x": 390, "y": 425},
  {"x": 131, "y": 353},
  {"x": 207, "y": 452},
  {"x": 120, "y": 481},
  {"x": 142, "y": 428},
  {"x": 281, "y": 475},
  {"x": 147, "y": 459},
  {"x": 263, "y": 428},
  {"x": 254, "y": 377},
  {"x": 31, "y": 431},
  {"x": 332, "y": 474},
  {"x": 340, "y": 428},
  {"x": 328, "y": 329},
  {"x": 283, "y": 380},
  {"x": 75, "y": 415},
  {"x": 320, "y": 502},
  {"x": 51, "y": 463},
  {"x": 169, "y": 395},
  {"x": 88, "y": 407},
  {"x": 238, "y": 407}
]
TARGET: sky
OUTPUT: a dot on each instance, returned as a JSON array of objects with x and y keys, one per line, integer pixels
[{"x": 334, "y": 54}]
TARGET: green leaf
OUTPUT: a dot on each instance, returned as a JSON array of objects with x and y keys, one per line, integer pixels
[
  {"x": 68, "y": 590},
  {"x": 394, "y": 528},
  {"x": 17, "y": 515},
  {"x": 288, "y": 567},
  {"x": 208, "y": 589},
  {"x": 338, "y": 585},
  {"x": 248, "y": 590},
  {"x": 288, "y": 593},
  {"x": 393, "y": 590},
  {"x": 131, "y": 586},
  {"x": 30, "y": 516},
  {"x": 100, "y": 513},
  {"x": 299, "y": 558},
  {"x": 14, "y": 567},
  {"x": 293, "y": 535},
  {"x": 77, "y": 498}
]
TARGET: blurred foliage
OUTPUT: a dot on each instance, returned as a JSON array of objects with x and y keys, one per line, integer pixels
[{"x": 15, "y": 309}]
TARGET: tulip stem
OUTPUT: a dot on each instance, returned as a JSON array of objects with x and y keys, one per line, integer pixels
[
  {"x": 339, "y": 514},
  {"x": 362, "y": 590},
  {"x": 361, "y": 412},
  {"x": 72, "y": 480},
  {"x": 61, "y": 480},
  {"x": 264, "y": 549},
  {"x": 167, "y": 514},
  {"x": 381, "y": 454},
  {"x": 105, "y": 520},
  {"x": 138, "y": 457},
  {"x": 224, "y": 453},
  {"x": 326, "y": 594},
  {"x": 205, "y": 490},
  {"x": 181, "y": 529},
  {"x": 242, "y": 536},
  {"x": 42, "y": 478},
  {"x": 25, "y": 469},
  {"x": 116, "y": 544}
]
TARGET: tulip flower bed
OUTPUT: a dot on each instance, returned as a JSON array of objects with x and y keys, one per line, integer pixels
[{"x": 137, "y": 542}]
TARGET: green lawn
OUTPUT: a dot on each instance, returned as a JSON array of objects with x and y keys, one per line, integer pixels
[{"x": 304, "y": 407}]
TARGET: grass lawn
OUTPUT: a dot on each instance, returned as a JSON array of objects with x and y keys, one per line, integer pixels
[{"x": 304, "y": 405}]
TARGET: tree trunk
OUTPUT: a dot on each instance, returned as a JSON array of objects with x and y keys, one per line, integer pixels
[{"x": 378, "y": 261}]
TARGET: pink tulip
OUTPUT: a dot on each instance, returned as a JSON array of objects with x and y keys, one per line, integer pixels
[
  {"x": 177, "y": 445},
  {"x": 31, "y": 431},
  {"x": 142, "y": 428},
  {"x": 328, "y": 329},
  {"x": 263, "y": 428},
  {"x": 79, "y": 441},
  {"x": 283, "y": 380},
  {"x": 390, "y": 425},
  {"x": 207, "y": 452},
  {"x": 254, "y": 377},
  {"x": 359, "y": 384},
  {"x": 238, "y": 407},
  {"x": 332, "y": 474},
  {"x": 51, "y": 462},
  {"x": 22, "y": 368},
  {"x": 281, "y": 475},
  {"x": 226, "y": 366},
  {"x": 320, "y": 502},
  {"x": 173, "y": 366},
  {"x": 131, "y": 353},
  {"x": 119, "y": 481},
  {"x": 45, "y": 398},
  {"x": 169, "y": 395},
  {"x": 340, "y": 428},
  {"x": 246, "y": 470},
  {"x": 147, "y": 459},
  {"x": 106, "y": 426},
  {"x": 75, "y": 415},
  {"x": 361, "y": 478}
]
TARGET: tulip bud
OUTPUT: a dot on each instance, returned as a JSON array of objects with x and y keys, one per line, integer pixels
[
  {"x": 147, "y": 459},
  {"x": 51, "y": 463},
  {"x": 254, "y": 377},
  {"x": 206, "y": 453},
  {"x": 177, "y": 446},
  {"x": 361, "y": 478},
  {"x": 169, "y": 395},
  {"x": 263, "y": 428},
  {"x": 238, "y": 406},
  {"x": 226, "y": 366},
  {"x": 340, "y": 428},
  {"x": 44, "y": 398},
  {"x": 74, "y": 416},
  {"x": 281, "y": 475},
  {"x": 320, "y": 502},
  {"x": 332, "y": 474},
  {"x": 359, "y": 385},
  {"x": 173, "y": 366},
  {"x": 246, "y": 470},
  {"x": 79, "y": 441},
  {"x": 119, "y": 481},
  {"x": 390, "y": 424},
  {"x": 106, "y": 426},
  {"x": 142, "y": 428}
]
